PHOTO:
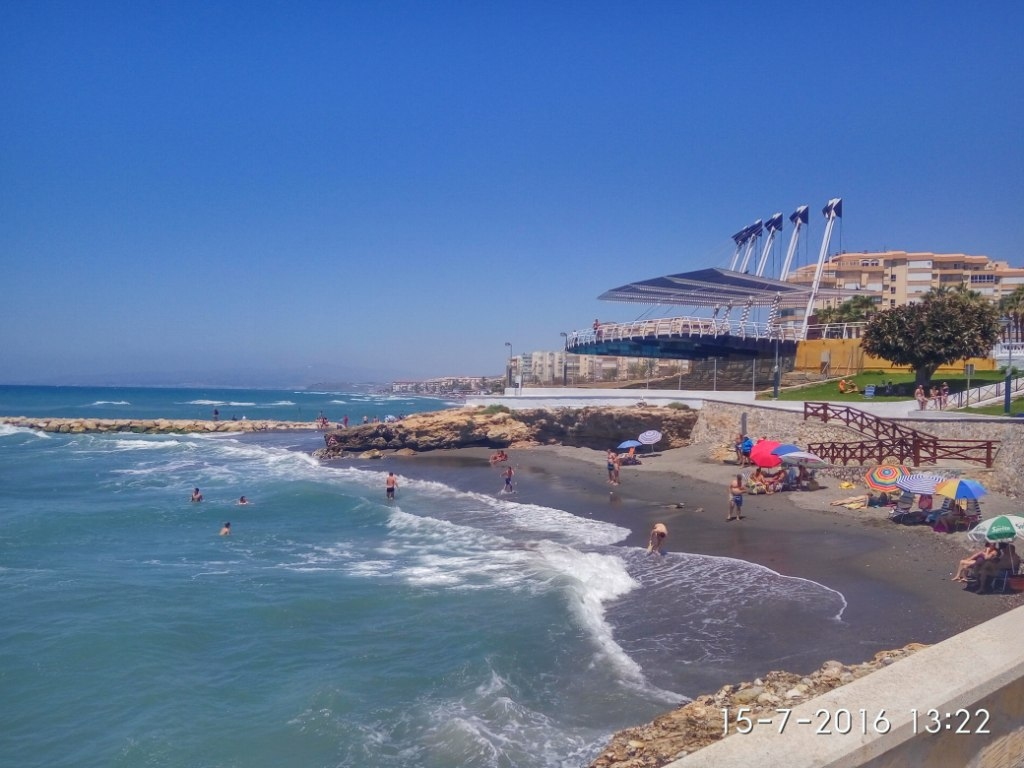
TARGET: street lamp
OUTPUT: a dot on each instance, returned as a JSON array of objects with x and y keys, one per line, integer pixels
[
  {"x": 1005, "y": 323},
  {"x": 565, "y": 358},
  {"x": 508, "y": 365}
]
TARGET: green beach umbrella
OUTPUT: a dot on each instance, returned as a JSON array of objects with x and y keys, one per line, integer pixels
[{"x": 1001, "y": 528}]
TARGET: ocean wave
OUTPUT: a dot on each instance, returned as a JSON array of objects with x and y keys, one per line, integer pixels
[
  {"x": 204, "y": 402},
  {"x": 9, "y": 429},
  {"x": 111, "y": 402}
]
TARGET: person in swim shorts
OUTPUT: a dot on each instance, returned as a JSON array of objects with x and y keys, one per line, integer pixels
[
  {"x": 736, "y": 490},
  {"x": 508, "y": 474},
  {"x": 390, "y": 484}
]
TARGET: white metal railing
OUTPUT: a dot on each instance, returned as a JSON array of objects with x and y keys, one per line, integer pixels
[
  {"x": 1006, "y": 352},
  {"x": 670, "y": 327},
  {"x": 987, "y": 392}
]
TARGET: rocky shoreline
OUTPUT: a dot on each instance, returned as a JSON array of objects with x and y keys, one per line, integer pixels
[
  {"x": 598, "y": 428},
  {"x": 701, "y": 722},
  {"x": 151, "y": 426}
]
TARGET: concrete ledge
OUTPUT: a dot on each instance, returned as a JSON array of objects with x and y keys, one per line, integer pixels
[{"x": 978, "y": 673}]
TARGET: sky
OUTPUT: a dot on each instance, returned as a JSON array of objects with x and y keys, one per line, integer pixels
[{"x": 270, "y": 193}]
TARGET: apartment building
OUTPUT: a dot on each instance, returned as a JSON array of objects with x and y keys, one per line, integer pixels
[{"x": 895, "y": 278}]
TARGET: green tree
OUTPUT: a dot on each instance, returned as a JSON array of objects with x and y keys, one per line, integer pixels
[
  {"x": 1013, "y": 307},
  {"x": 945, "y": 326}
]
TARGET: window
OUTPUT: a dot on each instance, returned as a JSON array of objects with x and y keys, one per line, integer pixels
[{"x": 893, "y": 289}]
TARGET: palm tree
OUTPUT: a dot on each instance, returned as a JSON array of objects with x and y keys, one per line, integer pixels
[{"x": 1012, "y": 306}]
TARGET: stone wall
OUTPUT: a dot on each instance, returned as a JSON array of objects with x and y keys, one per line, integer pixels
[{"x": 720, "y": 421}]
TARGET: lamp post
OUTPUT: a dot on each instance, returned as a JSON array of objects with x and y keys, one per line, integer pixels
[
  {"x": 508, "y": 365},
  {"x": 565, "y": 358},
  {"x": 776, "y": 373},
  {"x": 1007, "y": 399}
]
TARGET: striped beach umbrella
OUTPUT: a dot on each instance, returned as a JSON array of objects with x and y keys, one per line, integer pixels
[
  {"x": 919, "y": 482},
  {"x": 803, "y": 459},
  {"x": 785, "y": 448},
  {"x": 883, "y": 477},
  {"x": 1001, "y": 528},
  {"x": 960, "y": 488}
]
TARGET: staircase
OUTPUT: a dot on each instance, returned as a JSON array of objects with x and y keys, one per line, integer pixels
[{"x": 893, "y": 441}]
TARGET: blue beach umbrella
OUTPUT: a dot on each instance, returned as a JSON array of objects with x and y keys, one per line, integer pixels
[
  {"x": 961, "y": 488},
  {"x": 785, "y": 448},
  {"x": 626, "y": 444}
]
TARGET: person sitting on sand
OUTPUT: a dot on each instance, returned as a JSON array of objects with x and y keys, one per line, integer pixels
[
  {"x": 1004, "y": 559},
  {"x": 759, "y": 482},
  {"x": 497, "y": 458},
  {"x": 973, "y": 560}
]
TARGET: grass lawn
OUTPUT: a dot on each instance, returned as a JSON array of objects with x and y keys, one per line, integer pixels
[{"x": 902, "y": 382}]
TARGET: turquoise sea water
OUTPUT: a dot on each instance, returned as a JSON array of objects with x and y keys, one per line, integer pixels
[{"x": 450, "y": 628}]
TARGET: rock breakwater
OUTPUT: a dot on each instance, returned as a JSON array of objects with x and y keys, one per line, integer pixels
[
  {"x": 701, "y": 722},
  {"x": 495, "y": 427},
  {"x": 150, "y": 426}
]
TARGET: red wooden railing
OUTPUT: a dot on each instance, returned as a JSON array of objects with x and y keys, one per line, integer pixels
[{"x": 894, "y": 441}]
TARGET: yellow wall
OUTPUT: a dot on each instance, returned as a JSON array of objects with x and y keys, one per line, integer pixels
[{"x": 848, "y": 358}]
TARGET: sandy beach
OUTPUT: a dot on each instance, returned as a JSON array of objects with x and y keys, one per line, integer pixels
[{"x": 895, "y": 579}]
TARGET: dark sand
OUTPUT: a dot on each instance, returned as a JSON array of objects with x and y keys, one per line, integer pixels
[{"x": 896, "y": 579}]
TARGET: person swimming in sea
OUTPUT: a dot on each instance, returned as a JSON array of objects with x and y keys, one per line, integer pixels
[
  {"x": 196, "y": 495},
  {"x": 226, "y": 530}
]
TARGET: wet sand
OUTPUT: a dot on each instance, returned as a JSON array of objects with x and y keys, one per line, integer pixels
[{"x": 896, "y": 579}]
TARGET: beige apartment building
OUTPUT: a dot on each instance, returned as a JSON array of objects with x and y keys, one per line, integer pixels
[{"x": 895, "y": 278}]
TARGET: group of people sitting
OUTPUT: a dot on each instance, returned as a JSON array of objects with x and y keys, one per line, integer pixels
[
  {"x": 848, "y": 385},
  {"x": 498, "y": 456},
  {"x": 983, "y": 566},
  {"x": 790, "y": 479}
]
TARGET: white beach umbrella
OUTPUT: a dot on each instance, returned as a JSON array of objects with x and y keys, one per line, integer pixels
[{"x": 650, "y": 437}]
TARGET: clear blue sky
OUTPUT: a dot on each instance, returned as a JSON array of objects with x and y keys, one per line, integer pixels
[{"x": 289, "y": 192}]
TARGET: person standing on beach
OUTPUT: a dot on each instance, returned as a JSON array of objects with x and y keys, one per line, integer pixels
[
  {"x": 657, "y": 541},
  {"x": 736, "y": 490},
  {"x": 508, "y": 474},
  {"x": 390, "y": 485},
  {"x": 612, "y": 468}
]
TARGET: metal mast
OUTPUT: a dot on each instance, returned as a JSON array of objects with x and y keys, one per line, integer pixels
[
  {"x": 774, "y": 226},
  {"x": 799, "y": 217},
  {"x": 833, "y": 210}
]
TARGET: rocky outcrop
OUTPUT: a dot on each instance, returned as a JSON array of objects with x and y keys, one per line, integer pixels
[
  {"x": 150, "y": 426},
  {"x": 497, "y": 427},
  {"x": 700, "y": 722}
]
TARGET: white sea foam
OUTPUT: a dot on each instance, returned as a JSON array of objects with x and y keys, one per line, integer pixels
[
  {"x": 9, "y": 429},
  {"x": 111, "y": 402}
]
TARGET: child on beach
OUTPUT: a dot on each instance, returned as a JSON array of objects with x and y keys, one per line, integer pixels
[
  {"x": 658, "y": 535},
  {"x": 508, "y": 474}
]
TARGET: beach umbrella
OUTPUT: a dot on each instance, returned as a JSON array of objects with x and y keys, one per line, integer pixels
[
  {"x": 960, "y": 488},
  {"x": 761, "y": 454},
  {"x": 883, "y": 477},
  {"x": 1001, "y": 528},
  {"x": 919, "y": 482},
  {"x": 785, "y": 448},
  {"x": 627, "y": 444},
  {"x": 803, "y": 459},
  {"x": 650, "y": 437}
]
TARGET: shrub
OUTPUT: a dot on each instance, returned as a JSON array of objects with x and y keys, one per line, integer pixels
[
  {"x": 678, "y": 406},
  {"x": 491, "y": 409}
]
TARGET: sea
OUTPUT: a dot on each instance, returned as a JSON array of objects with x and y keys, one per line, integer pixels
[{"x": 451, "y": 627}]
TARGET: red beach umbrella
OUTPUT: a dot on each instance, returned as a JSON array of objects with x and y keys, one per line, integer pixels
[{"x": 761, "y": 454}]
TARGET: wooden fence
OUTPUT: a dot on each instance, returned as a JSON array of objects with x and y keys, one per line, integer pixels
[{"x": 894, "y": 442}]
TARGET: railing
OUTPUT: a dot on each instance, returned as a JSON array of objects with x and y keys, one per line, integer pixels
[
  {"x": 1009, "y": 351},
  {"x": 896, "y": 441},
  {"x": 705, "y": 326},
  {"x": 987, "y": 392}
]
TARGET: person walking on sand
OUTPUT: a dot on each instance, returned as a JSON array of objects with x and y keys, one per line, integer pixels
[
  {"x": 390, "y": 485},
  {"x": 657, "y": 541},
  {"x": 508, "y": 474},
  {"x": 736, "y": 490}
]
